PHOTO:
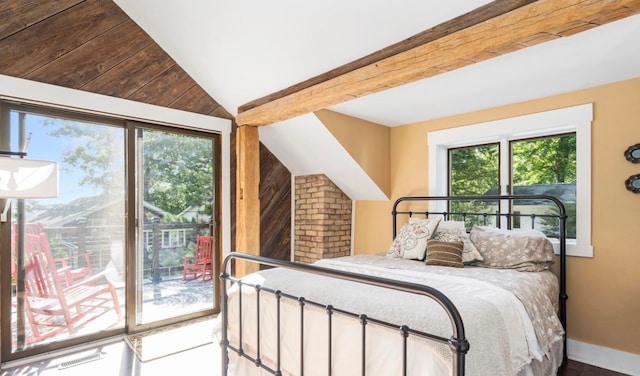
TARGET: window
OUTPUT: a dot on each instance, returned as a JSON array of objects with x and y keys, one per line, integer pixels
[
  {"x": 545, "y": 165},
  {"x": 173, "y": 238},
  {"x": 542, "y": 153},
  {"x": 537, "y": 166}
]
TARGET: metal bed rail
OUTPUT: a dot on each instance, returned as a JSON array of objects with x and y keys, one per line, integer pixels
[{"x": 457, "y": 342}]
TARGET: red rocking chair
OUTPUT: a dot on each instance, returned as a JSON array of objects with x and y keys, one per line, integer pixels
[
  {"x": 75, "y": 268},
  {"x": 201, "y": 263},
  {"x": 55, "y": 302}
]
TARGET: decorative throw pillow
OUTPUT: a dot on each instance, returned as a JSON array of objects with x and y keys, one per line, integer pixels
[
  {"x": 524, "y": 250},
  {"x": 444, "y": 253},
  {"x": 452, "y": 231},
  {"x": 411, "y": 241}
]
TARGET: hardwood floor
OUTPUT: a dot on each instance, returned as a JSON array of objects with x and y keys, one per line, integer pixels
[
  {"x": 580, "y": 369},
  {"x": 118, "y": 359}
]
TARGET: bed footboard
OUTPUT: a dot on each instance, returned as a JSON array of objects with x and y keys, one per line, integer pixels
[{"x": 457, "y": 342}]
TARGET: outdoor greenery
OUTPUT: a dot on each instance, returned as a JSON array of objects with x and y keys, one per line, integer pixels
[
  {"x": 96, "y": 151},
  {"x": 178, "y": 171},
  {"x": 549, "y": 160},
  {"x": 474, "y": 170},
  {"x": 546, "y": 161},
  {"x": 177, "y": 168}
]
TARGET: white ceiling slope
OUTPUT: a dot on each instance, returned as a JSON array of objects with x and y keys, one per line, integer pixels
[
  {"x": 602, "y": 55},
  {"x": 241, "y": 50},
  {"x": 306, "y": 147}
]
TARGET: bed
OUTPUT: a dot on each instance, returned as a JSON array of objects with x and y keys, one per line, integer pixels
[{"x": 442, "y": 312}]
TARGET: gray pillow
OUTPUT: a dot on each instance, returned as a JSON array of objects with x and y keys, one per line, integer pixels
[{"x": 524, "y": 250}]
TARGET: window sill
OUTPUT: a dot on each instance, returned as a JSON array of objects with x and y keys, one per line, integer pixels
[{"x": 573, "y": 249}]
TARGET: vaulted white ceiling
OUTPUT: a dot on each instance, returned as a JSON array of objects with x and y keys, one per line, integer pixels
[{"x": 241, "y": 50}]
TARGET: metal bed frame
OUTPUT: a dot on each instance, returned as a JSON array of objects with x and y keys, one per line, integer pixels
[{"x": 457, "y": 342}]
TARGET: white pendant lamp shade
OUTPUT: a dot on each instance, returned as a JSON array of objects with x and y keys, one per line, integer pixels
[{"x": 28, "y": 178}]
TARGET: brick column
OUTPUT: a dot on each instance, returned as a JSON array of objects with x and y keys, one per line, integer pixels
[{"x": 322, "y": 219}]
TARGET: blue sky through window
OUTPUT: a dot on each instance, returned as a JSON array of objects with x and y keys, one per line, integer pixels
[{"x": 43, "y": 145}]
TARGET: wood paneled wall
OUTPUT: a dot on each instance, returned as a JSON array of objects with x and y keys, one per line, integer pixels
[
  {"x": 92, "y": 45},
  {"x": 275, "y": 204}
]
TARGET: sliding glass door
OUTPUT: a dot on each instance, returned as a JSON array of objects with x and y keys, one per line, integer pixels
[
  {"x": 128, "y": 240},
  {"x": 175, "y": 246},
  {"x": 63, "y": 257}
]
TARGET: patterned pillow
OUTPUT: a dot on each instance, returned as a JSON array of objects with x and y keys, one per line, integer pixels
[
  {"x": 524, "y": 250},
  {"x": 411, "y": 241},
  {"x": 444, "y": 253},
  {"x": 451, "y": 231}
]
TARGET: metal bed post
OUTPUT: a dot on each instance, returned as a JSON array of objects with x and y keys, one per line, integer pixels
[{"x": 458, "y": 341}]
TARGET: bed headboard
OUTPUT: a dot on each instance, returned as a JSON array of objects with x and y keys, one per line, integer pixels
[
  {"x": 504, "y": 211},
  {"x": 478, "y": 210}
]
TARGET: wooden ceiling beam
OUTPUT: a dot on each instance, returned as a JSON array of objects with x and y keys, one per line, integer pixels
[
  {"x": 471, "y": 38},
  {"x": 474, "y": 17}
]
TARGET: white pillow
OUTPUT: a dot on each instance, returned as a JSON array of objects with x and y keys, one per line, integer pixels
[
  {"x": 451, "y": 231},
  {"x": 411, "y": 241}
]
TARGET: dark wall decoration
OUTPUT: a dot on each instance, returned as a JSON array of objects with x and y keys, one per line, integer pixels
[
  {"x": 632, "y": 154},
  {"x": 633, "y": 183}
]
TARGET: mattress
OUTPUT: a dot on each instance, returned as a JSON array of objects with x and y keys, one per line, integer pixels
[{"x": 510, "y": 319}]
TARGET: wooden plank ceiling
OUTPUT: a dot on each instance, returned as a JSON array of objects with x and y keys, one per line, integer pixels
[
  {"x": 500, "y": 27},
  {"x": 92, "y": 45}
]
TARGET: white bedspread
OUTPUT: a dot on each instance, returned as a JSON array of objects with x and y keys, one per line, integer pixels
[{"x": 509, "y": 317}]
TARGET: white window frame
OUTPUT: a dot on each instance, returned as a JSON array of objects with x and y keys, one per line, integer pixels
[
  {"x": 570, "y": 119},
  {"x": 174, "y": 238},
  {"x": 148, "y": 238}
]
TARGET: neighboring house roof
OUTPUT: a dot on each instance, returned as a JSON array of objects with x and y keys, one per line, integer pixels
[
  {"x": 154, "y": 209},
  {"x": 70, "y": 213},
  {"x": 195, "y": 213},
  {"x": 566, "y": 192}
]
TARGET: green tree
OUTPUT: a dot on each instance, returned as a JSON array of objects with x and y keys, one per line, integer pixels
[
  {"x": 549, "y": 160},
  {"x": 474, "y": 170},
  {"x": 177, "y": 168},
  {"x": 178, "y": 171},
  {"x": 96, "y": 151}
]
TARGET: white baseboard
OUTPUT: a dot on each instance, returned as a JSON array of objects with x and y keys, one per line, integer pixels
[{"x": 604, "y": 357}]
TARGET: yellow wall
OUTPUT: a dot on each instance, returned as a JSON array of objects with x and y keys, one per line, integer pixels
[
  {"x": 604, "y": 291},
  {"x": 366, "y": 142}
]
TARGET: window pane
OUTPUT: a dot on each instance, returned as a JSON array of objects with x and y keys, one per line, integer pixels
[
  {"x": 474, "y": 171},
  {"x": 546, "y": 166},
  {"x": 68, "y": 251},
  {"x": 176, "y": 192}
]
